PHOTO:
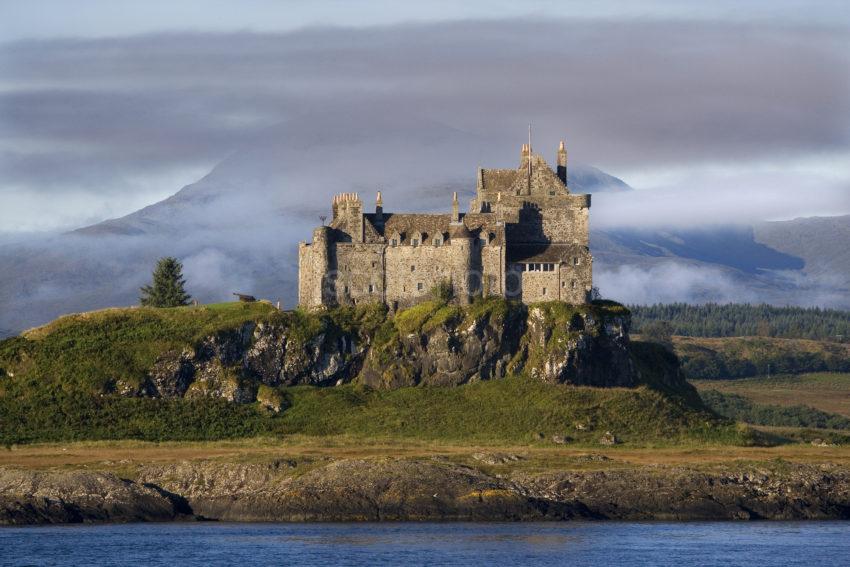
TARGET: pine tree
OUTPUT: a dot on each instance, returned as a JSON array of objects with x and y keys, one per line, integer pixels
[{"x": 167, "y": 289}]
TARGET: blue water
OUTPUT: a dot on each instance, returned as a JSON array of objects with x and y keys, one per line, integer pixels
[{"x": 594, "y": 544}]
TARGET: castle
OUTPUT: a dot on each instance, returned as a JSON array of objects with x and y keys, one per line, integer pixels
[{"x": 525, "y": 237}]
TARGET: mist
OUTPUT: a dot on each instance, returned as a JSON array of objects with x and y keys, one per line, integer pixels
[{"x": 261, "y": 129}]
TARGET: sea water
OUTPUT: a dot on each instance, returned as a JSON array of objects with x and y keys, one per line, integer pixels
[{"x": 595, "y": 544}]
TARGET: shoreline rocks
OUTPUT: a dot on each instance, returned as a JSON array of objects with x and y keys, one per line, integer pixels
[{"x": 385, "y": 489}]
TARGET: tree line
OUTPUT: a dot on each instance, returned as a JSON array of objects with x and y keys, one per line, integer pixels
[{"x": 744, "y": 319}]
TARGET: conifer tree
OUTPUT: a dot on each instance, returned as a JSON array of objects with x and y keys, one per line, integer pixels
[{"x": 167, "y": 288}]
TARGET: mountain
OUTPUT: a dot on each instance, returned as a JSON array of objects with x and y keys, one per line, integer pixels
[
  {"x": 237, "y": 228},
  {"x": 821, "y": 242},
  {"x": 773, "y": 262}
]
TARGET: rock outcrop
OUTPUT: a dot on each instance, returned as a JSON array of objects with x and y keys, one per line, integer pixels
[
  {"x": 36, "y": 497},
  {"x": 447, "y": 350},
  {"x": 432, "y": 344},
  {"x": 385, "y": 489}
]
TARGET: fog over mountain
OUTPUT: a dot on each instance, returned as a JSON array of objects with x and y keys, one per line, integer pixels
[
  {"x": 266, "y": 127},
  {"x": 237, "y": 228}
]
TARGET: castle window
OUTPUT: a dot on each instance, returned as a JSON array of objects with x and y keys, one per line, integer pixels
[
  {"x": 374, "y": 264},
  {"x": 575, "y": 261},
  {"x": 544, "y": 291},
  {"x": 563, "y": 284},
  {"x": 414, "y": 242},
  {"x": 412, "y": 268},
  {"x": 345, "y": 289},
  {"x": 394, "y": 242},
  {"x": 371, "y": 288},
  {"x": 420, "y": 286},
  {"x": 573, "y": 284},
  {"x": 437, "y": 241}
]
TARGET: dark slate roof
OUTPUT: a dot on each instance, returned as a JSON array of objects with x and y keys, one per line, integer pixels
[
  {"x": 544, "y": 253},
  {"x": 499, "y": 179},
  {"x": 459, "y": 231},
  {"x": 408, "y": 224}
]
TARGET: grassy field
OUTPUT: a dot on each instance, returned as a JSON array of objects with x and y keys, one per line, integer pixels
[
  {"x": 828, "y": 392},
  {"x": 125, "y": 456}
]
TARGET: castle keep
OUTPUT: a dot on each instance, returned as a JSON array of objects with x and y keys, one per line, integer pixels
[{"x": 525, "y": 237}]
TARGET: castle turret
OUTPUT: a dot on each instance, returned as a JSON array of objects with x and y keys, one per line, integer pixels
[
  {"x": 348, "y": 215},
  {"x": 313, "y": 269},
  {"x": 464, "y": 277},
  {"x": 562, "y": 162}
]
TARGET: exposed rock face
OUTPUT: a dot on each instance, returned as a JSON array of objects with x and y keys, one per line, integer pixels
[
  {"x": 552, "y": 342},
  {"x": 802, "y": 492},
  {"x": 432, "y": 489},
  {"x": 449, "y": 354},
  {"x": 584, "y": 350},
  {"x": 231, "y": 365},
  {"x": 34, "y": 497}
]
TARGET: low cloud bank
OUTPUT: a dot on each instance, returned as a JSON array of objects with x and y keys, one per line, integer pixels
[{"x": 670, "y": 281}]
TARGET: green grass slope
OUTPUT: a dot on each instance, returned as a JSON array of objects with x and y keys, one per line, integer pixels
[{"x": 52, "y": 389}]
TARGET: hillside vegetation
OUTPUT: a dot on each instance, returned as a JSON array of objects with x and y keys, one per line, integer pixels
[
  {"x": 58, "y": 382},
  {"x": 826, "y": 392},
  {"x": 742, "y": 357}
]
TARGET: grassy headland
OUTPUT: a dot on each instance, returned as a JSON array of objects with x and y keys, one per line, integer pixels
[{"x": 55, "y": 386}]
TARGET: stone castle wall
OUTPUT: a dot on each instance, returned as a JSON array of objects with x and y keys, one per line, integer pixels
[{"x": 526, "y": 237}]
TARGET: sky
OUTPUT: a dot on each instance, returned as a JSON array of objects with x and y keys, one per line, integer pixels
[{"x": 715, "y": 111}]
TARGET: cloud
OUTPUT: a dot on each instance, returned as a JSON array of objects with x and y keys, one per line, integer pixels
[
  {"x": 699, "y": 198},
  {"x": 112, "y": 114},
  {"x": 673, "y": 280}
]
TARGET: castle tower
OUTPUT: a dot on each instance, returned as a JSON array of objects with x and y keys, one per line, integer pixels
[
  {"x": 562, "y": 162},
  {"x": 463, "y": 273},
  {"x": 348, "y": 215},
  {"x": 313, "y": 266}
]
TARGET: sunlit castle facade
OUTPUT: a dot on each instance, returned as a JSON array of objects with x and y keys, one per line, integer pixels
[{"x": 525, "y": 237}]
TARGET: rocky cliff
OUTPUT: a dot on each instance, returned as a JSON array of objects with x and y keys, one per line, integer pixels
[
  {"x": 387, "y": 489},
  {"x": 431, "y": 344}
]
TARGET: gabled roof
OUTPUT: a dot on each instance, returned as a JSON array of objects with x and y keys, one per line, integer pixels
[{"x": 516, "y": 181}]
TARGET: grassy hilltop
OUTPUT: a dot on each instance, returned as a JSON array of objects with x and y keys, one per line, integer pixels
[{"x": 55, "y": 386}]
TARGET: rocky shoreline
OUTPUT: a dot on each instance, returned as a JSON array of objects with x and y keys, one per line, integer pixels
[{"x": 432, "y": 489}]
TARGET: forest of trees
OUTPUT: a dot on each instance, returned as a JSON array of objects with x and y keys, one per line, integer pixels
[{"x": 736, "y": 320}]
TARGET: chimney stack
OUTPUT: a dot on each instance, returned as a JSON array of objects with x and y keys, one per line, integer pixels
[
  {"x": 562, "y": 162},
  {"x": 379, "y": 209},
  {"x": 455, "y": 208}
]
